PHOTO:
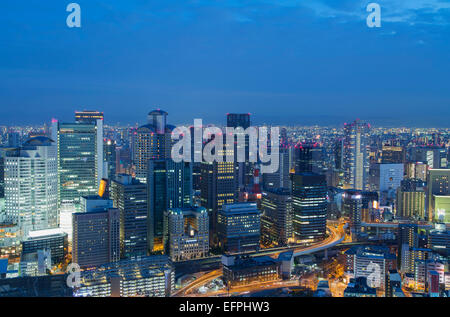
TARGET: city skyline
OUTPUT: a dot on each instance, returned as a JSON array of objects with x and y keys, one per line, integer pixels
[{"x": 232, "y": 151}]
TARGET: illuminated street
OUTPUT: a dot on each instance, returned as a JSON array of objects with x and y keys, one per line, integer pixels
[{"x": 336, "y": 233}]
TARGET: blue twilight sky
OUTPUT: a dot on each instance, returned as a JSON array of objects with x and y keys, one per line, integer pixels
[{"x": 284, "y": 61}]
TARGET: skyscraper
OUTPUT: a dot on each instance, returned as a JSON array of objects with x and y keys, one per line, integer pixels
[
  {"x": 356, "y": 155},
  {"x": 243, "y": 169},
  {"x": 152, "y": 142},
  {"x": 281, "y": 178},
  {"x": 434, "y": 157},
  {"x": 417, "y": 170},
  {"x": 96, "y": 233},
  {"x": 393, "y": 155},
  {"x": 80, "y": 161},
  {"x": 438, "y": 184},
  {"x": 130, "y": 197},
  {"x": 169, "y": 186},
  {"x": 238, "y": 227},
  {"x": 31, "y": 185},
  {"x": 410, "y": 201},
  {"x": 109, "y": 152},
  {"x": 80, "y": 165},
  {"x": 218, "y": 187},
  {"x": 276, "y": 218},
  {"x": 309, "y": 200},
  {"x": 188, "y": 233},
  {"x": 352, "y": 207},
  {"x": 407, "y": 237},
  {"x": 308, "y": 158}
]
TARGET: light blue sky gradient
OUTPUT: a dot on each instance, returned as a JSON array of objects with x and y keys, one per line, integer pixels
[{"x": 284, "y": 61}]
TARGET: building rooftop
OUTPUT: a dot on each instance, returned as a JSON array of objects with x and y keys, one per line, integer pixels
[
  {"x": 45, "y": 233},
  {"x": 39, "y": 141}
]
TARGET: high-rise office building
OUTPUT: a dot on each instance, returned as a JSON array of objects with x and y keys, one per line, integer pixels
[
  {"x": 109, "y": 152},
  {"x": 393, "y": 155},
  {"x": 31, "y": 186},
  {"x": 14, "y": 139},
  {"x": 130, "y": 197},
  {"x": 4, "y": 152},
  {"x": 238, "y": 227},
  {"x": 54, "y": 240},
  {"x": 417, "y": 170},
  {"x": 407, "y": 237},
  {"x": 80, "y": 161},
  {"x": 96, "y": 233},
  {"x": 434, "y": 157},
  {"x": 438, "y": 184},
  {"x": 352, "y": 207},
  {"x": 439, "y": 239},
  {"x": 308, "y": 158},
  {"x": 441, "y": 207},
  {"x": 244, "y": 170},
  {"x": 169, "y": 186},
  {"x": 309, "y": 201},
  {"x": 218, "y": 187},
  {"x": 152, "y": 142},
  {"x": 356, "y": 155},
  {"x": 188, "y": 233},
  {"x": 410, "y": 201},
  {"x": 276, "y": 218},
  {"x": 281, "y": 178},
  {"x": 80, "y": 165},
  {"x": 386, "y": 177},
  {"x": 88, "y": 116}
]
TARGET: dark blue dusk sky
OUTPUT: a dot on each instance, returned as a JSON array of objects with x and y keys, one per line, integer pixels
[{"x": 284, "y": 61}]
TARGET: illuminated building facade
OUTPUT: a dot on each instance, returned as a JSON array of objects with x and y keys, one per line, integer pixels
[
  {"x": 54, "y": 240},
  {"x": 244, "y": 170},
  {"x": 441, "y": 208},
  {"x": 130, "y": 196},
  {"x": 410, "y": 199},
  {"x": 434, "y": 157},
  {"x": 88, "y": 116},
  {"x": 151, "y": 142},
  {"x": 239, "y": 271},
  {"x": 238, "y": 227},
  {"x": 356, "y": 155},
  {"x": 438, "y": 184},
  {"x": 352, "y": 207},
  {"x": 393, "y": 155},
  {"x": 281, "y": 178},
  {"x": 276, "y": 218},
  {"x": 309, "y": 204},
  {"x": 416, "y": 170},
  {"x": 80, "y": 161},
  {"x": 109, "y": 151},
  {"x": 188, "y": 233},
  {"x": 96, "y": 234},
  {"x": 150, "y": 276},
  {"x": 218, "y": 187},
  {"x": 169, "y": 186},
  {"x": 362, "y": 256},
  {"x": 31, "y": 186},
  {"x": 439, "y": 240}
]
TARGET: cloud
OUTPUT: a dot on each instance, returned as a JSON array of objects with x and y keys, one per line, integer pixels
[{"x": 434, "y": 12}]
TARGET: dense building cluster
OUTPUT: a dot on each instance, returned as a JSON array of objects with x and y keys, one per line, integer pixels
[{"x": 111, "y": 200}]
